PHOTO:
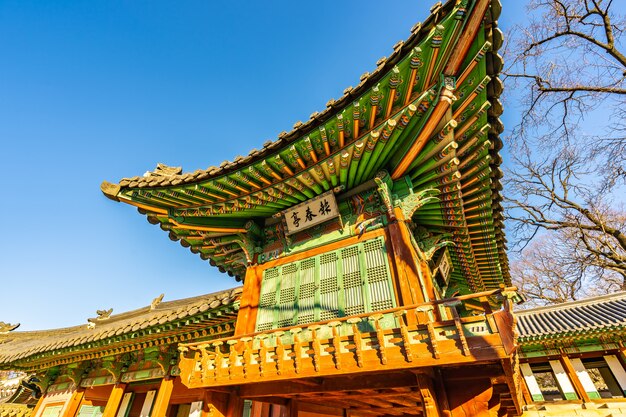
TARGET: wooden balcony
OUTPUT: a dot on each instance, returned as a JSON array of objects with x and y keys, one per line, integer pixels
[{"x": 401, "y": 338}]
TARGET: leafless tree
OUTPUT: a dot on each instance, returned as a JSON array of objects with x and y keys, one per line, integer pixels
[
  {"x": 550, "y": 272},
  {"x": 569, "y": 62},
  {"x": 565, "y": 181}
]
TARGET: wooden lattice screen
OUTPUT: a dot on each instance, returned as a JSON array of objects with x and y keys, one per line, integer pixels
[{"x": 351, "y": 280}]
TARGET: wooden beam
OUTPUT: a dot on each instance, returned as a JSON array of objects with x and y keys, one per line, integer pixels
[
  {"x": 438, "y": 113},
  {"x": 37, "y": 406},
  {"x": 378, "y": 381},
  {"x": 405, "y": 262},
  {"x": 467, "y": 37}
]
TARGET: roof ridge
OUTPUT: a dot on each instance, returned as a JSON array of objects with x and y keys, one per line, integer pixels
[
  {"x": 575, "y": 303},
  {"x": 123, "y": 315}
]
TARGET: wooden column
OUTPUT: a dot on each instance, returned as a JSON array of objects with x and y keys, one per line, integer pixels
[
  {"x": 114, "y": 400},
  {"x": 292, "y": 408},
  {"x": 573, "y": 377},
  {"x": 214, "y": 404},
  {"x": 406, "y": 262},
  {"x": 248, "y": 306},
  {"x": 74, "y": 403},
  {"x": 163, "y": 397},
  {"x": 565, "y": 379},
  {"x": 585, "y": 379}
]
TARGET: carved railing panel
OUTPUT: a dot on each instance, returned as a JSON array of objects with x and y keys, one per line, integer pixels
[{"x": 400, "y": 338}]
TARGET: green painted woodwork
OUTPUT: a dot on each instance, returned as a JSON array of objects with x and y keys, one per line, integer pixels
[
  {"x": 349, "y": 281},
  {"x": 52, "y": 411},
  {"x": 570, "y": 395},
  {"x": 594, "y": 395},
  {"x": 219, "y": 322},
  {"x": 538, "y": 397},
  {"x": 459, "y": 160},
  {"x": 90, "y": 411}
]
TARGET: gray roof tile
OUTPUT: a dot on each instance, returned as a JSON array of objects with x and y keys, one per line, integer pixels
[{"x": 573, "y": 318}]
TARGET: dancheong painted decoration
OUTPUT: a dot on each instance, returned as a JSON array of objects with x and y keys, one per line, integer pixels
[
  {"x": 370, "y": 245},
  {"x": 417, "y": 136}
]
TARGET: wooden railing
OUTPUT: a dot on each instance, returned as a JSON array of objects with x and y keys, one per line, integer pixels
[{"x": 404, "y": 337}]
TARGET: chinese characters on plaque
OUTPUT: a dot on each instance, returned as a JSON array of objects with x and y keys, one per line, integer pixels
[{"x": 310, "y": 213}]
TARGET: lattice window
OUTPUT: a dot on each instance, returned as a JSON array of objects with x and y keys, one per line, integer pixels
[
  {"x": 267, "y": 301},
  {"x": 329, "y": 286},
  {"x": 346, "y": 282},
  {"x": 287, "y": 295},
  {"x": 352, "y": 280},
  {"x": 306, "y": 296},
  {"x": 381, "y": 294}
]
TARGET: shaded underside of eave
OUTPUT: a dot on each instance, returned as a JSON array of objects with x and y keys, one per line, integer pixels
[
  {"x": 255, "y": 188},
  {"x": 23, "y": 350}
]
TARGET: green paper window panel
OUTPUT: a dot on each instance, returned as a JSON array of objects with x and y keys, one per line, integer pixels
[
  {"x": 287, "y": 295},
  {"x": 90, "y": 411},
  {"x": 329, "y": 287},
  {"x": 52, "y": 411},
  {"x": 381, "y": 296},
  {"x": 306, "y": 295},
  {"x": 349, "y": 281},
  {"x": 267, "y": 301},
  {"x": 352, "y": 280}
]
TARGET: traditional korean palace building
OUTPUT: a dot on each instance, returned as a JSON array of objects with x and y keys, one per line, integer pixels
[{"x": 370, "y": 246}]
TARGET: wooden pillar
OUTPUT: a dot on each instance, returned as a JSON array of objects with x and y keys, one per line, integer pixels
[
  {"x": 74, "y": 403},
  {"x": 115, "y": 398},
  {"x": 573, "y": 377},
  {"x": 217, "y": 404},
  {"x": 564, "y": 380},
  {"x": 211, "y": 406},
  {"x": 256, "y": 409},
  {"x": 406, "y": 262},
  {"x": 292, "y": 408},
  {"x": 248, "y": 306},
  {"x": 162, "y": 400},
  {"x": 585, "y": 379}
]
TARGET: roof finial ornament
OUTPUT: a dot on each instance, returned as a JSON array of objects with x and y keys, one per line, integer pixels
[
  {"x": 156, "y": 301},
  {"x": 7, "y": 327},
  {"x": 163, "y": 170},
  {"x": 102, "y": 315}
]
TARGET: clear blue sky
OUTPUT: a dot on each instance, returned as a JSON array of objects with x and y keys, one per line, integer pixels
[{"x": 100, "y": 90}]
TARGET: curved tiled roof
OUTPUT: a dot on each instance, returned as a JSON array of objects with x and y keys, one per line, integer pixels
[
  {"x": 333, "y": 106},
  {"x": 216, "y": 212},
  {"x": 15, "y": 410},
  {"x": 22, "y": 345},
  {"x": 591, "y": 315}
]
